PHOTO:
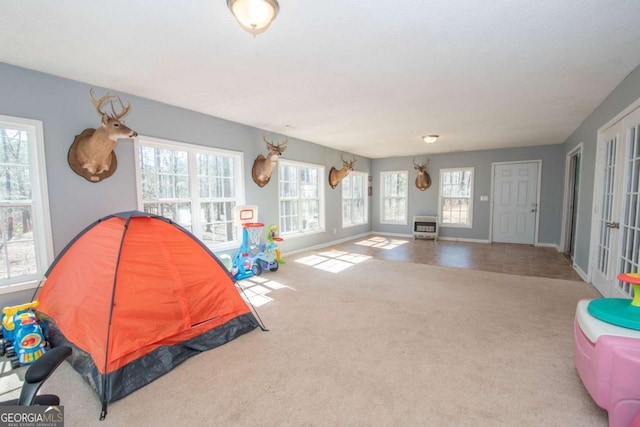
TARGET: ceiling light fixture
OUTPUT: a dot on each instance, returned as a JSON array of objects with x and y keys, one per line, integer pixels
[
  {"x": 254, "y": 16},
  {"x": 430, "y": 139}
]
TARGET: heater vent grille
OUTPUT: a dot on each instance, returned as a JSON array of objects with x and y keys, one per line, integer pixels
[{"x": 425, "y": 227}]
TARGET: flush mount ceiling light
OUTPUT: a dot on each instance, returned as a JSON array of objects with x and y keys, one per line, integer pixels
[
  {"x": 254, "y": 16},
  {"x": 430, "y": 139}
]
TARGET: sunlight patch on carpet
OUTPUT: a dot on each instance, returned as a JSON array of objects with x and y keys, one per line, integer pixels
[
  {"x": 255, "y": 290},
  {"x": 382, "y": 243},
  {"x": 333, "y": 261}
]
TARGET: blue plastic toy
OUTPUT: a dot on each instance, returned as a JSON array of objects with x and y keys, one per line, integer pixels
[
  {"x": 23, "y": 339},
  {"x": 252, "y": 257}
]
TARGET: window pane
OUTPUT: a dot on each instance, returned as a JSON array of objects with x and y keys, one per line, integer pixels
[
  {"x": 288, "y": 216},
  {"x": 346, "y": 187},
  {"x": 310, "y": 215},
  {"x": 177, "y": 212},
  {"x": 394, "y": 196},
  {"x": 215, "y": 176},
  {"x": 15, "y": 182},
  {"x": 357, "y": 212},
  {"x": 455, "y": 193},
  {"x": 164, "y": 173},
  {"x": 288, "y": 181},
  {"x": 358, "y": 187},
  {"x": 394, "y": 209},
  {"x": 217, "y": 222},
  {"x": 346, "y": 211},
  {"x": 353, "y": 202},
  {"x": 21, "y": 245},
  {"x": 300, "y": 203},
  {"x": 456, "y": 184},
  {"x": 18, "y": 247}
]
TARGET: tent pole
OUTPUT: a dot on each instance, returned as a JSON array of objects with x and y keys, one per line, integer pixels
[{"x": 253, "y": 309}]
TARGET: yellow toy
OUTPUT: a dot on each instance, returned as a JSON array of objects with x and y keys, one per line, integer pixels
[
  {"x": 274, "y": 240},
  {"x": 8, "y": 326}
]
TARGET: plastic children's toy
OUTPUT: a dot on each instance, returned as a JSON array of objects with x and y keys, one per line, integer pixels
[
  {"x": 607, "y": 353},
  {"x": 274, "y": 241},
  {"x": 29, "y": 342},
  {"x": 24, "y": 341},
  {"x": 226, "y": 261},
  {"x": 8, "y": 314},
  {"x": 252, "y": 257}
]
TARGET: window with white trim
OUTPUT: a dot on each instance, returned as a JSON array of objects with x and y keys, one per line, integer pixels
[
  {"x": 354, "y": 199},
  {"x": 456, "y": 197},
  {"x": 393, "y": 200},
  {"x": 196, "y": 187},
  {"x": 26, "y": 247},
  {"x": 301, "y": 197}
]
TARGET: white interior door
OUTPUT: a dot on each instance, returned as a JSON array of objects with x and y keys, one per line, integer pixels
[
  {"x": 616, "y": 218},
  {"x": 515, "y": 206}
]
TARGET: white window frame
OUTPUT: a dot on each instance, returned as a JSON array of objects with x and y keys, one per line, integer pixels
[
  {"x": 365, "y": 198},
  {"x": 383, "y": 197},
  {"x": 441, "y": 197},
  {"x": 41, "y": 220},
  {"x": 321, "y": 199},
  {"x": 194, "y": 185}
]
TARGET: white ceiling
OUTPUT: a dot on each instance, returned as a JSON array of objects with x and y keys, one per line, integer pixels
[{"x": 365, "y": 77}]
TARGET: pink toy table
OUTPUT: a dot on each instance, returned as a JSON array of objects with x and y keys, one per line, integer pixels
[{"x": 608, "y": 361}]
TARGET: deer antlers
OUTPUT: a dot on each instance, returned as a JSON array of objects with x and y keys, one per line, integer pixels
[
  {"x": 420, "y": 167},
  {"x": 271, "y": 145},
  {"x": 98, "y": 104},
  {"x": 348, "y": 163}
]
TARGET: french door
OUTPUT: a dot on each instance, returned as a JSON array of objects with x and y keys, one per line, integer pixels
[{"x": 615, "y": 231}]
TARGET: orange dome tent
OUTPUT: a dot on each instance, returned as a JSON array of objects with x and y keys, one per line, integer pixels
[{"x": 135, "y": 295}]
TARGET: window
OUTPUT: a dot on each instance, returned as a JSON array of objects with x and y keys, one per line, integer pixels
[
  {"x": 301, "y": 192},
  {"x": 197, "y": 187},
  {"x": 26, "y": 247},
  {"x": 394, "y": 197},
  {"x": 456, "y": 197},
  {"x": 354, "y": 199}
]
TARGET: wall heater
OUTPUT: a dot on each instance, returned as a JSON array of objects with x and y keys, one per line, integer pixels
[{"x": 425, "y": 227}]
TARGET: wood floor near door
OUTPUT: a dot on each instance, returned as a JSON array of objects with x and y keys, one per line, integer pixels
[{"x": 524, "y": 260}]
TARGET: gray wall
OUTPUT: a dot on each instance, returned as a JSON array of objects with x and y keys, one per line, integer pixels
[
  {"x": 65, "y": 109},
  {"x": 426, "y": 203},
  {"x": 627, "y": 92}
]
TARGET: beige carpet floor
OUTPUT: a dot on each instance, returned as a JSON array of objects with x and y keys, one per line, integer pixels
[{"x": 357, "y": 341}]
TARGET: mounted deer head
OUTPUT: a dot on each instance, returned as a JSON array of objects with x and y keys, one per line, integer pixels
[
  {"x": 335, "y": 175},
  {"x": 91, "y": 154},
  {"x": 423, "y": 180},
  {"x": 263, "y": 166}
]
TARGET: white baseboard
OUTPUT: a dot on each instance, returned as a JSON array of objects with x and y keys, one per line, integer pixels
[
  {"x": 451, "y": 239},
  {"x": 410, "y": 236},
  {"x": 581, "y": 273},
  {"x": 549, "y": 245},
  {"x": 382, "y": 233}
]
